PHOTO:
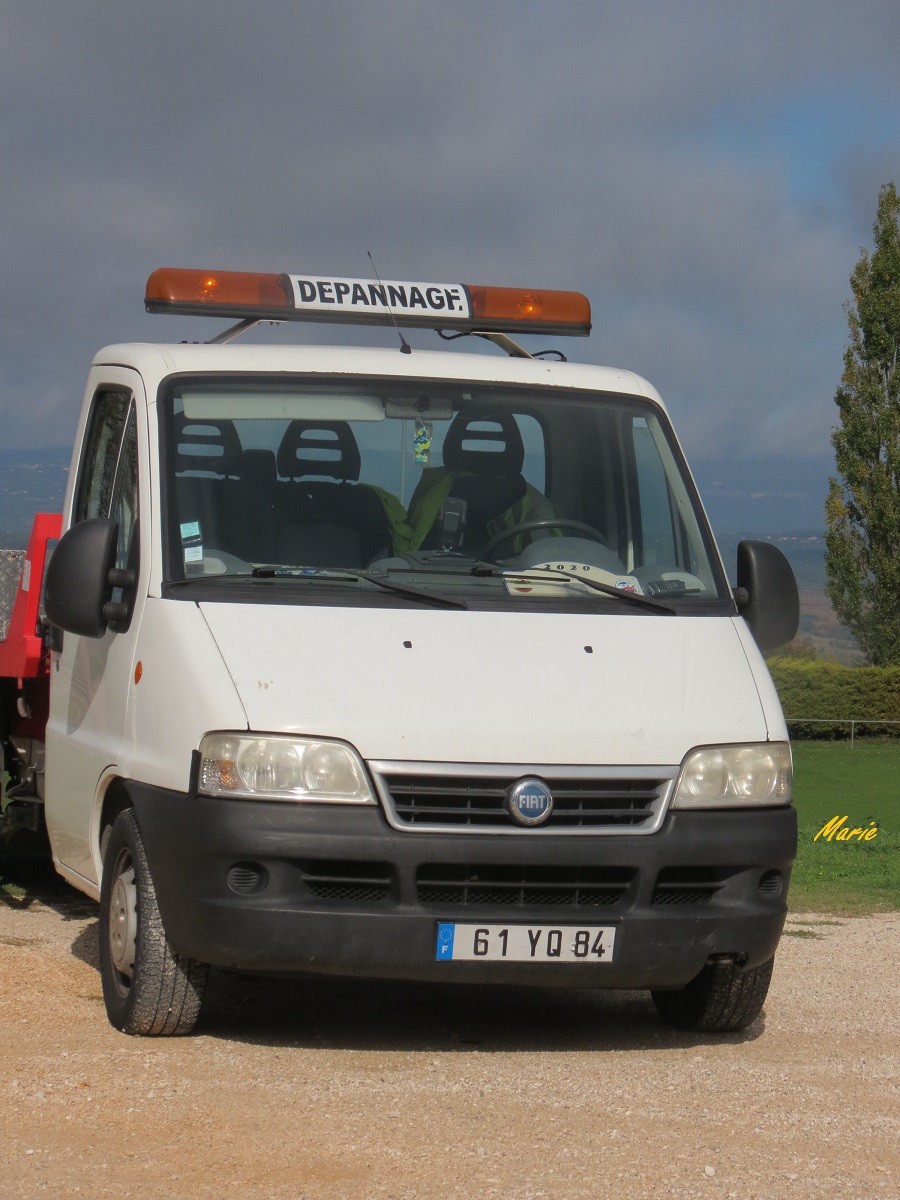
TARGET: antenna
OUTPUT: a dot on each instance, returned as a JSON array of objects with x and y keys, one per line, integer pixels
[{"x": 405, "y": 347}]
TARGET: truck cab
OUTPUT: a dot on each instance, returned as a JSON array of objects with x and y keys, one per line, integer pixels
[{"x": 415, "y": 665}]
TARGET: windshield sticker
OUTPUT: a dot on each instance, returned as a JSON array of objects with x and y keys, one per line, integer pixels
[
  {"x": 422, "y": 442},
  {"x": 524, "y": 585},
  {"x": 190, "y": 531},
  {"x": 193, "y": 554},
  {"x": 622, "y": 583},
  {"x": 568, "y": 574}
]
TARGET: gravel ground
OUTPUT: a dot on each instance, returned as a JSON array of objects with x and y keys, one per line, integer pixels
[{"x": 337, "y": 1089}]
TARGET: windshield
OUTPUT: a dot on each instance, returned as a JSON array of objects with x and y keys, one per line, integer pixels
[{"x": 474, "y": 493}]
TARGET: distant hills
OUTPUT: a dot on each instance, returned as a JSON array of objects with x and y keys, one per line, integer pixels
[
  {"x": 784, "y": 493},
  {"x": 30, "y": 481}
]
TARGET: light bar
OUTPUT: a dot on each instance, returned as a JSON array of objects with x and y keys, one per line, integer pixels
[{"x": 244, "y": 294}]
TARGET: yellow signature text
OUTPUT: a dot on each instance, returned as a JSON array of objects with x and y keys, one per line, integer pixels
[{"x": 838, "y": 830}]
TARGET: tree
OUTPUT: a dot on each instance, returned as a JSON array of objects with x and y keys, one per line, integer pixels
[{"x": 862, "y": 511}]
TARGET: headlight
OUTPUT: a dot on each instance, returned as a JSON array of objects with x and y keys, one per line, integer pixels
[
  {"x": 732, "y": 776},
  {"x": 282, "y": 768}
]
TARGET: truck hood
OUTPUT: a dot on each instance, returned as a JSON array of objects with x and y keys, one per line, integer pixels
[{"x": 542, "y": 688}]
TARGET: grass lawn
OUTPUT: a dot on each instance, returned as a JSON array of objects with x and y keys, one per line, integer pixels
[{"x": 831, "y": 779}]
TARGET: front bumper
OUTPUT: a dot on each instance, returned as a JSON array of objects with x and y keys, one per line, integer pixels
[{"x": 337, "y": 891}]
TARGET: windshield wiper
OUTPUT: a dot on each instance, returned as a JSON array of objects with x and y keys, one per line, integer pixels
[
  {"x": 401, "y": 589},
  {"x": 633, "y": 598}
]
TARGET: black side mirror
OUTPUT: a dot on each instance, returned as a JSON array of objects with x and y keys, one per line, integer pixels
[
  {"x": 766, "y": 594},
  {"x": 81, "y": 577}
]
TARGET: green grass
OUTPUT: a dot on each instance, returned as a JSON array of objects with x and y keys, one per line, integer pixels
[{"x": 833, "y": 779}]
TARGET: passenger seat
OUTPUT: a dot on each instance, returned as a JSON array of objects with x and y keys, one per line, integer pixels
[{"x": 326, "y": 518}]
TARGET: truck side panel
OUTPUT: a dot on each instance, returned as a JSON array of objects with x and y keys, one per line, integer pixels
[{"x": 92, "y": 676}]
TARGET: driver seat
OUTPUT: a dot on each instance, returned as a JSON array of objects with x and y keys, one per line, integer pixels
[{"x": 483, "y": 455}]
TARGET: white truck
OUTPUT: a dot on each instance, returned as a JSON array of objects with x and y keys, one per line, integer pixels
[{"x": 395, "y": 663}]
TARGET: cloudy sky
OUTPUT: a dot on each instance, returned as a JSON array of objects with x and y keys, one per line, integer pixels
[{"x": 705, "y": 171}]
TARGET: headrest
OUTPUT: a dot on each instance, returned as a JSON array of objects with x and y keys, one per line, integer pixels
[
  {"x": 319, "y": 448},
  {"x": 486, "y": 443},
  {"x": 207, "y": 445}
]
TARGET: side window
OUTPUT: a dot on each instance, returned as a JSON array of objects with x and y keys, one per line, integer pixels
[
  {"x": 100, "y": 455},
  {"x": 108, "y": 486},
  {"x": 124, "y": 506}
]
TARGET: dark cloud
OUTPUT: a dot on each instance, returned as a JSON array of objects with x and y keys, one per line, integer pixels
[{"x": 622, "y": 150}]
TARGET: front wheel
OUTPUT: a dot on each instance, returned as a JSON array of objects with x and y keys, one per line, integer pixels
[
  {"x": 723, "y": 998},
  {"x": 148, "y": 988}
]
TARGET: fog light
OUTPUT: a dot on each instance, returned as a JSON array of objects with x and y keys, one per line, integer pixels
[
  {"x": 771, "y": 885},
  {"x": 246, "y": 879}
]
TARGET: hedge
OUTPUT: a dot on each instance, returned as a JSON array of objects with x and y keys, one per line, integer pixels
[{"x": 824, "y": 691}]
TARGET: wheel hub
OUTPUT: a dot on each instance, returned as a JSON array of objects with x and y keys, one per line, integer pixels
[{"x": 123, "y": 922}]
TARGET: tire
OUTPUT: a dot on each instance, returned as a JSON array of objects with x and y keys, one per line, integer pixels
[
  {"x": 723, "y": 998},
  {"x": 148, "y": 989}
]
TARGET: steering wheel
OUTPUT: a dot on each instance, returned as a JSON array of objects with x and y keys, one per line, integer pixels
[{"x": 548, "y": 523}]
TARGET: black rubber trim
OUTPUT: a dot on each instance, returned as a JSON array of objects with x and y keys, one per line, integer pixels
[
  {"x": 287, "y": 927},
  {"x": 194, "y": 776}
]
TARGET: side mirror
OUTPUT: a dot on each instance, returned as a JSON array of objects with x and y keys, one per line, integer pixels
[
  {"x": 81, "y": 577},
  {"x": 766, "y": 594}
]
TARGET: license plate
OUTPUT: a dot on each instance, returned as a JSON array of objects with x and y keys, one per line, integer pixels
[{"x": 525, "y": 943}]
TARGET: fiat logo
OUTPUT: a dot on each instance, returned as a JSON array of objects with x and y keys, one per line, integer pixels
[{"x": 529, "y": 802}]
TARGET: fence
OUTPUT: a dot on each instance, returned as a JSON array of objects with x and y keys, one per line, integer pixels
[{"x": 853, "y": 723}]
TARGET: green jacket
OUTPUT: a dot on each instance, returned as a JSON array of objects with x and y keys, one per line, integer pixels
[{"x": 433, "y": 489}]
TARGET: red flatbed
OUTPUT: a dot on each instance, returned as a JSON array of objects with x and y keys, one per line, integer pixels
[{"x": 22, "y": 651}]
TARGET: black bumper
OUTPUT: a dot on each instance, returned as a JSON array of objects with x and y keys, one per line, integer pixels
[{"x": 338, "y": 891}]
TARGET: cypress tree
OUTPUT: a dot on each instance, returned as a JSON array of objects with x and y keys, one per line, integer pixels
[{"x": 862, "y": 511}]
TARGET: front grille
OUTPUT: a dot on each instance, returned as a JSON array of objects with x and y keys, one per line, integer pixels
[
  {"x": 521, "y": 886},
  {"x": 348, "y": 882},
  {"x": 687, "y": 885},
  {"x": 615, "y": 802}
]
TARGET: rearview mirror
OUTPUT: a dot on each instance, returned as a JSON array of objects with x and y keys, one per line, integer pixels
[
  {"x": 766, "y": 594},
  {"x": 81, "y": 577}
]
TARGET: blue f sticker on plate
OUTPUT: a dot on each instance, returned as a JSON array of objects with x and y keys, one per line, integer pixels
[{"x": 444, "y": 942}]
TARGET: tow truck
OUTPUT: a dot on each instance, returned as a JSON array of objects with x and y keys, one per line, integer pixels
[{"x": 396, "y": 663}]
